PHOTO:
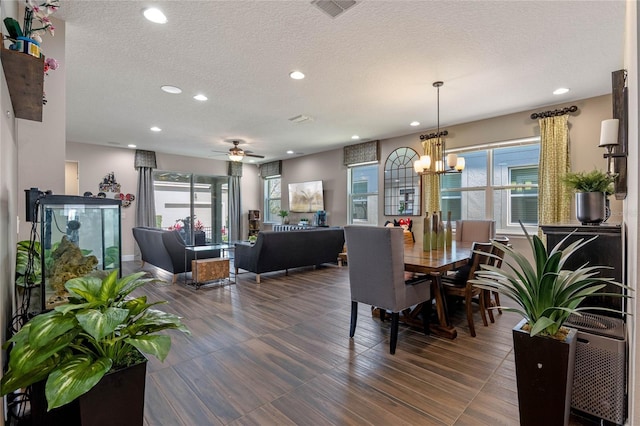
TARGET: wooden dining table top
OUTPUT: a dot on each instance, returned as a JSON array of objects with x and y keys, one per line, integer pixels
[{"x": 431, "y": 261}]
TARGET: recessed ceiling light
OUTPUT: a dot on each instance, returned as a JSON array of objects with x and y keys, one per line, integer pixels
[
  {"x": 355, "y": 137},
  {"x": 200, "y": 97},
  {"x": 290, "y": 152},
  {"x": 172, "y": 89},
  {"x": 414, "y": 123},
  {"x": 155, "y": 129},
  {"x": 131, "y": 145},
  {"x": 155, "y": 15},
  {"x": 560, "y": 91},
  {"x": 296, "y": 75}
]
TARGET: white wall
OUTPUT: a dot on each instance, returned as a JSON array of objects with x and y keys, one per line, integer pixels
[
  {"x": 41, "y": 145},
  {"x": 632, "y": 203}
]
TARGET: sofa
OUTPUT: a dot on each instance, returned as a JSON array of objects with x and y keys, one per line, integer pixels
[
  {"x": 283, "y": 250},
  {"x": 167, "y": 250}
]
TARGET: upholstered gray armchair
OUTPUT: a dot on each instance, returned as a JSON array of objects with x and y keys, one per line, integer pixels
[{"x": 376, "y": 276}]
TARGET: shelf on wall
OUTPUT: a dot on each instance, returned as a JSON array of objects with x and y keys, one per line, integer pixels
[{"x": 25, "y": 78}]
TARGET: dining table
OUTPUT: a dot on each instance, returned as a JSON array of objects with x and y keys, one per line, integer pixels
[{"x": 435, "y": 263}]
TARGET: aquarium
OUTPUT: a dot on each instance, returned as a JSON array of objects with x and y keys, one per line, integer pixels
[{"x": 78, "y": 235}]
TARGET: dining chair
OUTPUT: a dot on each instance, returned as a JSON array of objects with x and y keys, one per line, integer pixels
[
  {"x": 493, "y": 297},
  {"x": 470, "y": 231},
  {"x": 376, "y": 277},
  {"x": 460, "y": 285}
]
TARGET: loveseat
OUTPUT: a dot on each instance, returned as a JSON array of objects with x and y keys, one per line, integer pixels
[
  {"x": 283, "y": 250},
  {"x": 166, "y": 250}
]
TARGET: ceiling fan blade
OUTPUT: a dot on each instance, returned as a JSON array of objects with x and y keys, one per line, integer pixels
[{"x": 253, "y": 155}]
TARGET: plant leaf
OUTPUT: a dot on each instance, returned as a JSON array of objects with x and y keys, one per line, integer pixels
[
  {"x": 99, "y": 324},
  {"x": 108, "y": 289},
  {"x": 13, "y": 380},
  {"x": 540, "y": 325},
  {"x": 156, "y": 345},
  {"x": 46, "y": 327},
  {"x": 74, "y": 378},
  {"x": 86, "y": 287}
]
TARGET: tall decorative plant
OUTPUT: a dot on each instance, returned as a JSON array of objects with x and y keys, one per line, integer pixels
[
  {"x": 546, "y": 293},
  {"x": 75, "y": 345}
]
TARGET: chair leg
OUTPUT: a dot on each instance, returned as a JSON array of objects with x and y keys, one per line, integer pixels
[
  {"x": 426, "y": 315},
  {"x": 354, "y": 318},
  {"x": 488, "y": 303},
  {"x": 483, "y": 308},
  {"x": 395, "y": 319},
  {"x": 496, "y": 297},
  {"x": 469, "y": 309}
]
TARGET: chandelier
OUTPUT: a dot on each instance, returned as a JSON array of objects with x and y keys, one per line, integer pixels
[{"x": 435, "y": 160}]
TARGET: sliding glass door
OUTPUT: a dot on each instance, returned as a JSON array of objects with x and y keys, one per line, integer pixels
[{"x": 195, "y": 205}]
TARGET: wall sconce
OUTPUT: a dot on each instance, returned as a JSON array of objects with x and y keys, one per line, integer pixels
[{"x": 609, "y": 140}]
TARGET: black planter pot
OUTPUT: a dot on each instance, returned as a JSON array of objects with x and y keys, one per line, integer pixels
[
  {"x": 117, "y": 399},
  {"x": 591, "y": 207},
  {"x": 544, "y": 372}
]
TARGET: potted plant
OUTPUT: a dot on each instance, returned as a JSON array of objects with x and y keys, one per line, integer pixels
[
  {"x": 592, "y": 189},
  {"x": 76, "y": 348},
  {"x": 545, "y": 294},
  {"x": 284, "y": 215}
]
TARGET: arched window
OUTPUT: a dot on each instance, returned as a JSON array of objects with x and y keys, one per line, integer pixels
[{"x": 401, "y": 184}]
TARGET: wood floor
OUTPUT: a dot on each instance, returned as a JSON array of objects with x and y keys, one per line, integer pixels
[{"x": 279, "y": 353}]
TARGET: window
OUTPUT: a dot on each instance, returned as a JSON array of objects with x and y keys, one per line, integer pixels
[
  {"x": 500, "y": 181},
  {"x": 195, "y": 205},
  {"x": 363, "y": 194},
  {"x": 272, "y": 199}
]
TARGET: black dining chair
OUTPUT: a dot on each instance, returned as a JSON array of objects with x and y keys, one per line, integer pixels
[{"x": 459, "y": 285}]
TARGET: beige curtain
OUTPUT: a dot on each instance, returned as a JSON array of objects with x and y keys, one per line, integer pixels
[
  {"x": 553, "y": 197},
  {"x": 431, "y": 183}
]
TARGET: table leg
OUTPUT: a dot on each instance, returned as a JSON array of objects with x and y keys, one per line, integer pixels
[{"x": 444, "y": 327}]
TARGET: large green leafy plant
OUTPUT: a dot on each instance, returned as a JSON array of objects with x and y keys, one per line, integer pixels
[
  {"x": 101, "y": 329},
  {"x": 546, "y": 293}
]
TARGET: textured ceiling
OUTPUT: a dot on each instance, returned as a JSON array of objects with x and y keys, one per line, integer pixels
[{"x": 369, "y": 71}]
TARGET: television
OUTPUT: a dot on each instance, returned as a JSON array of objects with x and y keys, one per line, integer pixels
[{"x": 306, "y": 197}]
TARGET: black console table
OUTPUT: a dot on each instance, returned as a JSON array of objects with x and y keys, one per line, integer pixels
[{"x": 607, "y": 249}]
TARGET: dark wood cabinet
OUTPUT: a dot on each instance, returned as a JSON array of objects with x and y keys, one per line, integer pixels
[{"x": 608, "y": 249}]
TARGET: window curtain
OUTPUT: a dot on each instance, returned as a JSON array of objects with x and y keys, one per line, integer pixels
[
  {"x": 553, "y": 196},
  {"x": 364, "y": 152},
  {"x": 431, "y": 182},
  {"x": 145, "y": 162},
  {"x": 235, "y": 207},
  {"x": 273, "y": 168}
]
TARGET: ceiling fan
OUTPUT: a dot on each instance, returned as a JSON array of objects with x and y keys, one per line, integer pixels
[{"x": 237, "y": 154}]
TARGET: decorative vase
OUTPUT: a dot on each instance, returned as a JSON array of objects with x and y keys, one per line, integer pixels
[
  {"x": 544, "y": 373},
  {"x": 441, "y": 236},
  {"x": 591, "y": 207},
  {"x": 434, "y": 231},
  {"x": 449, "y": 232},
  {"x": 285, "y": 220},
  {"x": 426, "y": 233}
]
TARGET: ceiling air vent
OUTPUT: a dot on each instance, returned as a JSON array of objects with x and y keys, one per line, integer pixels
[
  {"x": 333, "y": 8},
  {"x": 300, "y": 119}
]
